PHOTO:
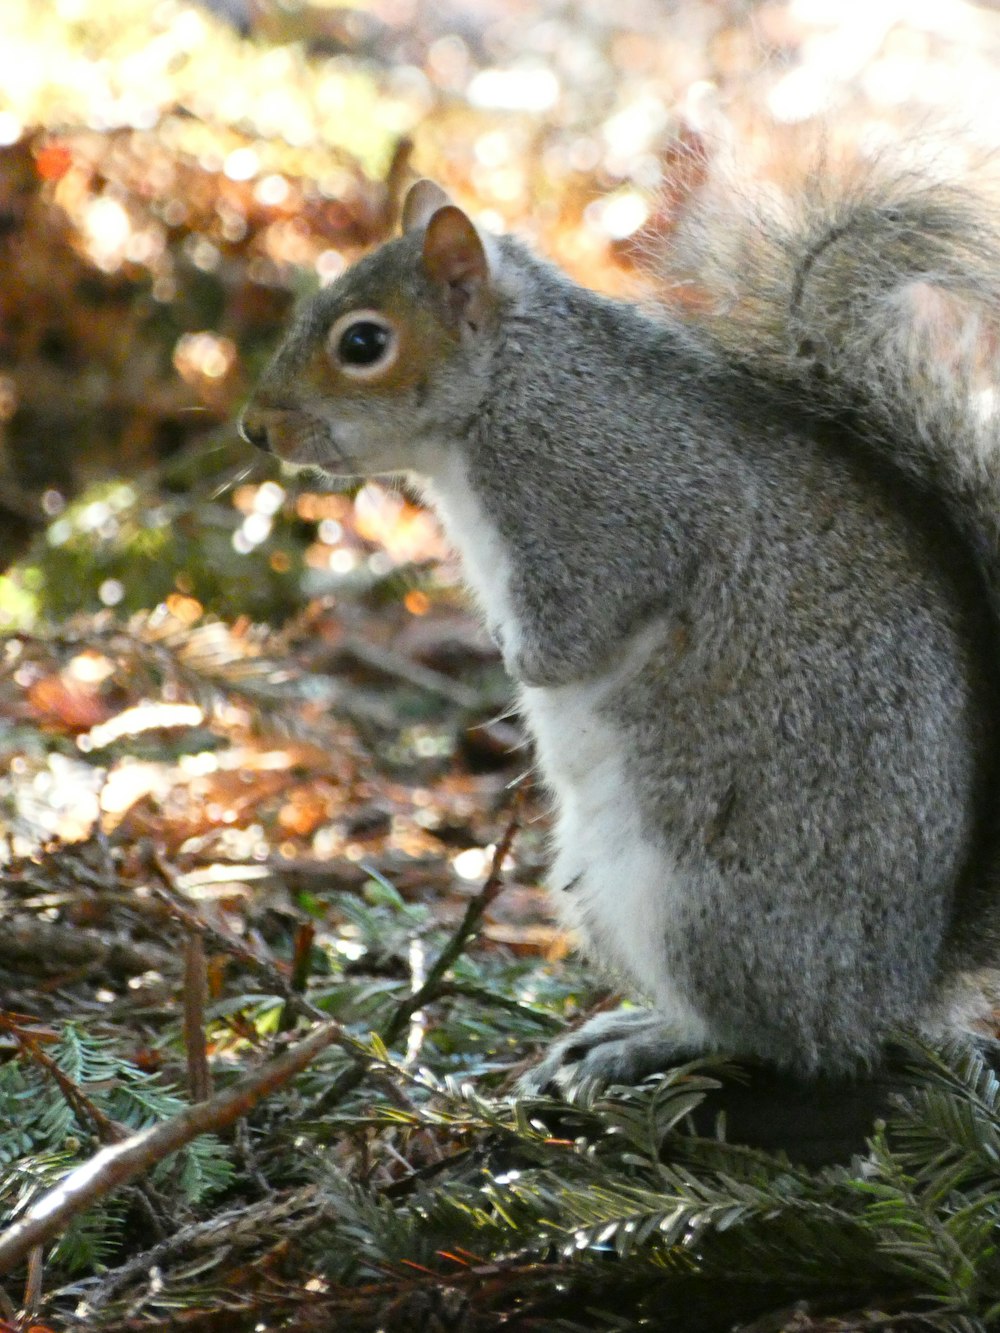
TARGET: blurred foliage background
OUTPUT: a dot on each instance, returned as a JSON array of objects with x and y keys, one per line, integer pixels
[{"x": 174, "y": 174}]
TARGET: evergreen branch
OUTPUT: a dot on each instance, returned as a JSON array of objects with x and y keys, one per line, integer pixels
[
  {"x": 494, "y": 1000},
  {"x": 115, "y": 1166},
  {"x": 107, "y": 1130}
]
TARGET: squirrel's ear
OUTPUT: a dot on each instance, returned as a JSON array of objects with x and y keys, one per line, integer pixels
[
  {"x": 455, "y": 259},
  {"x": 421, "y": 203}
]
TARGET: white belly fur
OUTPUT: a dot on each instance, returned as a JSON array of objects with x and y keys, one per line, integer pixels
[{"x": 626, "y": 889}]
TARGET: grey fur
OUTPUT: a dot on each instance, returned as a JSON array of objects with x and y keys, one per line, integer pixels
[{"x": 812, "y": 565}]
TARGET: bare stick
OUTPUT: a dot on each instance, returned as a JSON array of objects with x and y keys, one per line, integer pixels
[
  {"x": 33, "y": 1286},
  {"x": 389, "y": 663},
  {"x": 179, "y": 908},
  {"x": 301, "y": 959},
  {"x": 115, "y": 1166},
  {"x": 467, "y": 927},
  {"x": 195, "y": 985}
]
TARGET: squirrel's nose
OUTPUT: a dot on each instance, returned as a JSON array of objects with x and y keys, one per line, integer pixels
[{"x": 254, "y": 431}]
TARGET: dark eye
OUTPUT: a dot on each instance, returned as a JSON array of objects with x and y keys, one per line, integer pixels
[{"x": 363, "y": 343}]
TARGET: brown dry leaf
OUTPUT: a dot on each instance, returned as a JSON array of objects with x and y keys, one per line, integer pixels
[
  {"x": 550, "y": 942},
  {"x": 64, "y": 703},
  {"x": 306, "y": 808}
]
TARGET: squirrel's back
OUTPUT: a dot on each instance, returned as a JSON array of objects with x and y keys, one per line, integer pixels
[{"x": 866, "y": 294}]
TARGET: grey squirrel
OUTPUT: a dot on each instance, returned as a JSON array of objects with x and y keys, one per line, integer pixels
[{"x": 743, "y": 564}]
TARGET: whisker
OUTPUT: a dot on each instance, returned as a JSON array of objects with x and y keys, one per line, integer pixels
[
  {"x": 230, "y": 482},
  {"x": 214, "y": 448},
  {"x": 512, "y": 712}
]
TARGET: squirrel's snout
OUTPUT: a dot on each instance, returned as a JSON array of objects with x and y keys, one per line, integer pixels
[{"x": 253, "y": 430}]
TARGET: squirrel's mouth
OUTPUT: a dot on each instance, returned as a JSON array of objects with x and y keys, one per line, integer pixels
[
  {"x": 333, "y": 462},
  {"x": 304, "y": 439},
  {"x": 344, "y": 466},
  {"x": 328, "y": 453},
  {"x": 301, "y": 440}
]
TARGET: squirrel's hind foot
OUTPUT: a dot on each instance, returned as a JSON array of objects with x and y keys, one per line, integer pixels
[
  {"x": 816, "y": 1121},
  {"x": 621, "y": 1047}
]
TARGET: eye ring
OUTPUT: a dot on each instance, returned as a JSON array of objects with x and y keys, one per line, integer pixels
[{"x": 363, "y": 344}]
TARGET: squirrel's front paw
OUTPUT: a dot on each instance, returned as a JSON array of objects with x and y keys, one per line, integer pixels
[{"x": 623, "y": 1047}]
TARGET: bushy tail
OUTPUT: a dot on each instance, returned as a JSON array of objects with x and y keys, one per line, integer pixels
[
  {"x": 870, "y": 289},
  {"x": 872, "y": 293}
]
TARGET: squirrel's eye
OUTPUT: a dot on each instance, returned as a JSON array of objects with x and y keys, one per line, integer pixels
[{"x": 363, "y": 343}]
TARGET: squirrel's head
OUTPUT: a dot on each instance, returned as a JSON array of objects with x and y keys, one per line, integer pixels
[{"x": 378, "y": 370}]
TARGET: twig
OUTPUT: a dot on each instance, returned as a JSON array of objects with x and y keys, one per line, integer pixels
[
  {"x": 236, "y": 1230},
  {"x": 305, "y": 935},
  {"x": 33, "y": 1286},
  {"x": 47, "y": 946},
  {"x": 388, "y": 663},
  {"x": 395, "y": 179},
  {"x": 467, "y": 927},
  {"x": 173, "y": 897},
  {"x": 195, "y": 986},
  {"x": 418, "y": 1019},
  {"x": 115, "y": 1166}
]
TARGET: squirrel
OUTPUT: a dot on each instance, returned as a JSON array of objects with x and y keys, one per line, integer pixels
[{"x": 742, "y": 560}]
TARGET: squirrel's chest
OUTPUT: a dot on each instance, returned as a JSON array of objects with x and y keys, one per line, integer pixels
[{"x": 486, "y": 561}]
